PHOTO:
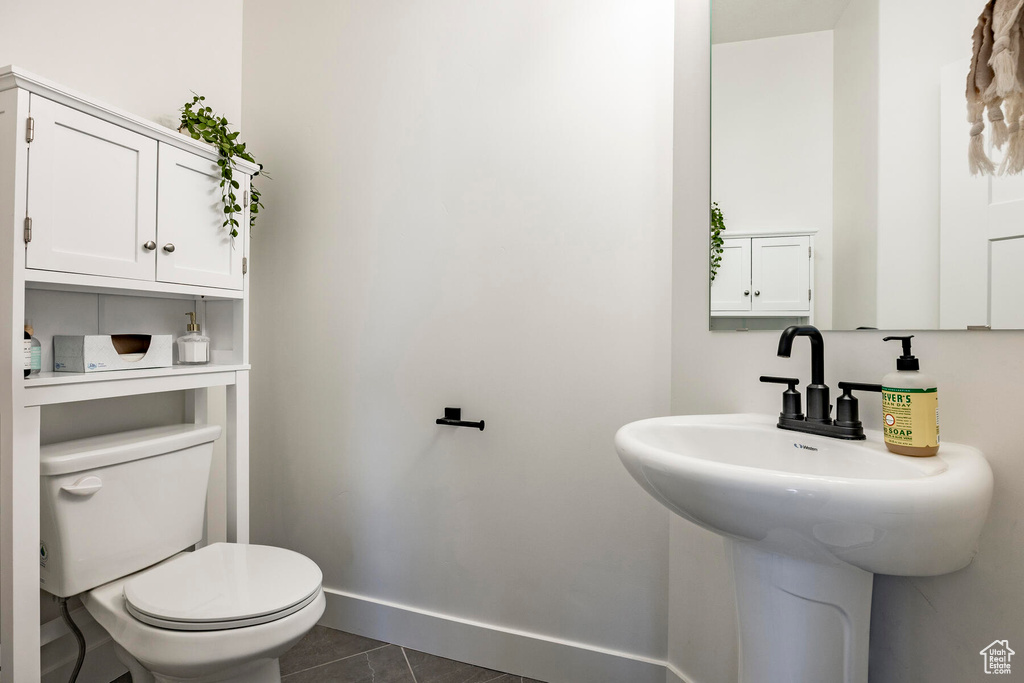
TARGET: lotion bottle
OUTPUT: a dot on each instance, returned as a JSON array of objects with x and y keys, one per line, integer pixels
[
  {"x": 32, "y": 351},
  {"x": 35, "y": 353},
  {"x": 910, "y": 406}
]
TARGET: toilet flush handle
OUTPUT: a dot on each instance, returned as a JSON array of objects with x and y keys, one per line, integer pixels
[{"x": 86, "y": 486}]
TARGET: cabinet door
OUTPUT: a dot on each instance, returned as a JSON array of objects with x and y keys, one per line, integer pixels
[
  {"x": 780, "y": 273},
  {"x": 194, "y": 249},
  {"x": 91, "y": 195},
  {"x": 731, "y": 289}
]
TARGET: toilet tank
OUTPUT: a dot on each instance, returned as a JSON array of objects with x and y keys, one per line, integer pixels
[{"x": 114, "y": 504}]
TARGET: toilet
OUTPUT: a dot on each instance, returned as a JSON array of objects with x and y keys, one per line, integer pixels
[{"x": 118, "y": 516}]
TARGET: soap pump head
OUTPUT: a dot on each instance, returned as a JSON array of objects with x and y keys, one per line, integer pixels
[
  {"x": 907, "y": 361},
  {"x": 193, "y": 326}
]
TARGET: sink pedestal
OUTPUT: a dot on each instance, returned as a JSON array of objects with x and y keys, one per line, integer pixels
[
  {"x": 800, "y": 621},
  {"x": 808, "y": 521}
]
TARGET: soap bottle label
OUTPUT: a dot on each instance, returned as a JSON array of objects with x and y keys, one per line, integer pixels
[{"x": 911, "y": 416}]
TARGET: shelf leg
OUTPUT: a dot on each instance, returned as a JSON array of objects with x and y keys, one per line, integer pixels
[
  {"x": 238, "y": 458},
  {"x": 197, "y": 411},
  {"x": 19, "y": 545}
]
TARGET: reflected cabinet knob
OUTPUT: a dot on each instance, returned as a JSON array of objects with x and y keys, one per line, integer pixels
[
  {"x": 149, "y": 246},
  {"x": 168, "y": 247},
  {"x": 757, "y": 292}
]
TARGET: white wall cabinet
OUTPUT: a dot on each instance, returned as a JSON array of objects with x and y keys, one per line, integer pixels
[
  {"x": 769, "y": 276},
  {"x": 91, "y": 195},
  {"x": 193, "y": 246},
  {"x": 104, "y": 200}
]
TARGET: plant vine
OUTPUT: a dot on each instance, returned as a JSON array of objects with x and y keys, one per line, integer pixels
[
  {"x": 202, "y": 123},
  {"x": 717, "y": 243}
]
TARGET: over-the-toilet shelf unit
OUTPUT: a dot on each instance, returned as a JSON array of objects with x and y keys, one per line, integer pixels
[{"x": 110, "y": 222}]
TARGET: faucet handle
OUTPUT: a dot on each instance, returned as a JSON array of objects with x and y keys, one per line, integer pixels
[
  {"x": 847, "y": 409},
  {"x": 847, "y": 387},
  {"x": 791, "y": 407},
  {"x": 791, "y": 381}
]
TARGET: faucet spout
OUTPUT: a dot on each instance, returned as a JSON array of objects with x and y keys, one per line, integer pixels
[
  {"x": 819, "y": 409},
  {"x": 817, "y": 348}
]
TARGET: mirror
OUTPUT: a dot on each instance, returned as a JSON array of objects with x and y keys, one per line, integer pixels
[{"x": 840, "y": 171}]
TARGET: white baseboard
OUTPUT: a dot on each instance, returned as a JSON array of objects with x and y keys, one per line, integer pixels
[
  {"x": 674, "y": 675},
  {"x": 532, "y": 655}
]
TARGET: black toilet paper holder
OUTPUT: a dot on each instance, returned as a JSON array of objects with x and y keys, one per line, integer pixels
[{"x": 453, "y": 418}]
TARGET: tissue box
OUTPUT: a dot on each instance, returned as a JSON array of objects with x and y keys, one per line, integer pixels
[{"x": 102, "y": 352}]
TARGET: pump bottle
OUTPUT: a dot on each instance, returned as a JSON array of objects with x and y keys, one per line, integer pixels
[
  {"x": 910, "y": 406},
  {"x": 193, "y": 347}
]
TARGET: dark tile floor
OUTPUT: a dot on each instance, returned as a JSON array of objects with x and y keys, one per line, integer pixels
[{"x": 326, "y": 655}]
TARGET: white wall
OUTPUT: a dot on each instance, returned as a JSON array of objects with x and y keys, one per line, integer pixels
[
  {"x": 470, "y": 207},
  {"x": 771, "y": 141},
  {"x": 145, "y": 58},
  {"x": 923, "y": 629},
  {"x": 855, "y": 190}
]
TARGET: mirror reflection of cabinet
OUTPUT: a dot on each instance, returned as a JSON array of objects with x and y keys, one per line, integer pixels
[{"x": 764, "y": 276}]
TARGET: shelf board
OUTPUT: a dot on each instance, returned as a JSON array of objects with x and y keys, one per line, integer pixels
[
  {"x": 95, "y": 284},
  {"x": 48, "y": 388}
]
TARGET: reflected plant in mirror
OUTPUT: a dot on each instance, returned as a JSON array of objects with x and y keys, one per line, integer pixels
[
  {"x": 717, "y": 243},
  {"x": 839, "y": 150}
]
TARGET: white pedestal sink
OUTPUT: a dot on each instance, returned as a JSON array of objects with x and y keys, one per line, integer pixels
[{"x": 807, "y": 521}]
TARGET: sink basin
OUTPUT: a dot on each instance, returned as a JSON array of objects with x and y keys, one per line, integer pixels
[
  {"x": 814, "y": 497},
  {"x": 808, "y": 520}
]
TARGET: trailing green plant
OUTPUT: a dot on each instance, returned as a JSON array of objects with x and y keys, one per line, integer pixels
[
  {"x": 717, "y": 243},
  {"x": 202, "y": 123}
]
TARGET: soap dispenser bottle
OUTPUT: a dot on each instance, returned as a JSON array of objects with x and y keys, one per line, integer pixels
[
  {"x": 193, "y": 347},
  {"x": 910, "y": 406}
]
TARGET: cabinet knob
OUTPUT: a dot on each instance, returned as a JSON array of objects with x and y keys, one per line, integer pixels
[
  {"x": 169, "y": 247},
  {"x": 757, "y": 292},
  {"x": 746, "y": 292},
  {"x": 149, "y": 246}
]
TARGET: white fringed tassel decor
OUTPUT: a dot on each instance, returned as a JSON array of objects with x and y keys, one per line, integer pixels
[
  {"x": 1013, "y": 158},
  {"x": 994, "y": 84},
  {"x": 978, "y": 160},
  {"x": 997, "y": 121}
]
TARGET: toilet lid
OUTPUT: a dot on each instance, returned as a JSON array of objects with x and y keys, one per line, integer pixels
[{"x": 221, "y": 586}]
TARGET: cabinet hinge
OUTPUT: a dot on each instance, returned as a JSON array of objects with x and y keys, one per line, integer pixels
[
  {"x": 808, "y": 252},
  {"x": 808, "y": 295},
  {"x": 245, "y": 198},
  {"x": 30, "y": 129},
  {"x": 245, "y": 265},
  {"x": 28, "y": 229}
]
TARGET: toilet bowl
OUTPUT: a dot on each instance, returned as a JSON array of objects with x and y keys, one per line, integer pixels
[
  {"x": 118, "y": 514},
  {"x": 225, "y": 612}
]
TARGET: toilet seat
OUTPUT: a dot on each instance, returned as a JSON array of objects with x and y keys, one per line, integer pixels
[{"x": 223, "y": 586}]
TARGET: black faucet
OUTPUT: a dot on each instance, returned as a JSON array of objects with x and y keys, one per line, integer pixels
[
  {"x": 818, "y": 420},
  {"x": 818, "y": 407}
]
